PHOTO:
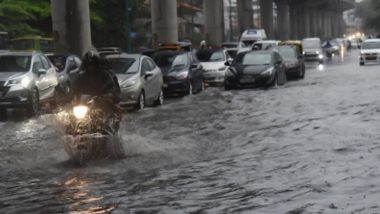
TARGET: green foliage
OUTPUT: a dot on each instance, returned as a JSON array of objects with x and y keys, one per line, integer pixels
[
  {"x": 21, "y": 17},
  {"x": 369, "y": 11}
]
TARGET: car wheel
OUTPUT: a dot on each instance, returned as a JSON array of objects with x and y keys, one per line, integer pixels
[
  {"x": 275, "y": 81},
  {"x": 160, "y": 99},
  {"x": 202, "y": 86},
  {"x": 34, "y": 103},
  {"x": 190, "y": 89},
  {"x": 140, "y": 105}
]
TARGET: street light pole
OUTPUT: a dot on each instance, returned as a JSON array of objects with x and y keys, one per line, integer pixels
[{"x": 127, "y": 28}]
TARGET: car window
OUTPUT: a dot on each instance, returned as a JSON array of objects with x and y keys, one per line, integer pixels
[
  {"x": 151, "y": 64},
  {"x": 145, "y": 66},
  {"x": 37, "y": 64},
  {"x": 46, "y": 65}
]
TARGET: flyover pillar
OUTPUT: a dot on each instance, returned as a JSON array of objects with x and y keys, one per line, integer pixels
[
  {"x": 283, "y": 23},
  {"x": 71, "y": 26},
  {"x": 306, "y": 20},
  {"x": 245, "y": 14},
  {"x": 214, "y": 21},
  {"x": 164, "y": 21},
  {"x": 293, "y": 22},
  {"x": 266, "y": 11},
  {"x": 300, "y": 22}
]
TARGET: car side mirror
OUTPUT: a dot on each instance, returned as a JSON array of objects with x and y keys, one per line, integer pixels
[
  {"x": 229, "y": 60},
  {"x": 279, "y": 62},
  {"x": 193, "y": 66},
  {"x": 227, "y": 63},
  {"x": 148, "y": 74},
  {"x": 41, "y": 72}
]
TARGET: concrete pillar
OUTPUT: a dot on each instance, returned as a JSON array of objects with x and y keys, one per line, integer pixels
[
  {"x": 266, "y": 10},
  {"x": 320, "y": 25},
  {"x": 328, "y": 24},
  {"x": 214, "y": 21},
  {"x": 283, "y": 24},
  {"x": 313, "y": 23},
  {"x": 164, "y": 21},
  {"x": 293, "y": 22},
  {"x": 306, "y": 19},
  {"x": 300, "y": 22},
  {"x": 71, "y": 26},
  {"x": 245, "y": 14}
]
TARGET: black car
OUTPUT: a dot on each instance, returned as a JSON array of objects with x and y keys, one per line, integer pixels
[
  {"x": 67, "y": 66},
  {"x": 256, "y": 68},
  {"x": 294, "y": 63},
  {"x": 182, "y": 72}
]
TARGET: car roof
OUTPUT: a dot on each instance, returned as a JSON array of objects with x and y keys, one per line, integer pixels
[
  {"x": 18, "y": 53},
  {"x": 169, "y": 53},
  {"x": 266, "y": 41},
  {"x": 372, "y": 40},
  {"x": 123, "y": 55}
]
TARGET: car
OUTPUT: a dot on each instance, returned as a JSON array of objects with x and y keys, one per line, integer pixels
[
  {"x": 68, "y": 67},
  {"x": 213, "y": 62},
  {"x": 250, "y": 36},
  {"x": 370, "y": 51},
  {"x": 265, "y": 45},
  {"x": 183, "y": 73},
  {"x": 312, "y": 50},
  {"x": 104, "y": 51},
  {"x": 256, "y": 68},
  {"x": 294, "y": 64},
  {"x": 140, "y": 80},
  {"x": 231, "y": 47},
  {"x": 27, "y": 80}
]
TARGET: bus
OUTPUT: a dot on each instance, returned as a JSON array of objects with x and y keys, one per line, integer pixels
[{"x": 30, "y": 43}]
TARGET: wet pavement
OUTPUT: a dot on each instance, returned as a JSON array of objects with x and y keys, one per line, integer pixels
[{"x": 311, "y": 146}]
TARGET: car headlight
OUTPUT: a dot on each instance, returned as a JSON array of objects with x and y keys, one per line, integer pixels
[
  {"x": 80, "y": 111},
  {"x": 320, "y": 56},
  {"x": 130, "y": 83},
  {"x": 317, "y": 52},
  {"x": 182, "y": 75},
  {"x": 222, "y": 68},
  {"x": 269, "y": 71},
  {"x": 24, "y": 81}
]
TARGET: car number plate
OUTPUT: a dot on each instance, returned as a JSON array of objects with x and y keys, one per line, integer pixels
[{"x": 250, "y": 80}]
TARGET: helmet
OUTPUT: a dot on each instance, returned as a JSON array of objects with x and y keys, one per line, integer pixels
[{"x": 91, "y": 58}]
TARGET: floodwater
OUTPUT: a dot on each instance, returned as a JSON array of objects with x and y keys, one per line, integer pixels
[{"x": 311, "y": 146}]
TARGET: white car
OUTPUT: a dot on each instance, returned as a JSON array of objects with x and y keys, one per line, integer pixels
[
  {"x": 27, "y": 79},
  {"x": 265, "y": 45},
  {"x": 214, "y": 65},
  {"x": 370, "y": 51}
]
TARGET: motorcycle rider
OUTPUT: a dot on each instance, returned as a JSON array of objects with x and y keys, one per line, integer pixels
[{"x": 95, "y": 79}]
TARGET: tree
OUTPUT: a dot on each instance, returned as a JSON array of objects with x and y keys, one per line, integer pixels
[{"x": 20, "y": 17}]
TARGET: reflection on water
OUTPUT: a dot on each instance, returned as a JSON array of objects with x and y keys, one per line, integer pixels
[
  {"x": 320, "y": 67},
  {"x": 77, "y": 191}
]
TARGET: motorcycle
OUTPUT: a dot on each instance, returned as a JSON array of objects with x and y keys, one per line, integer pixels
[{"x": 91, "y": 132}]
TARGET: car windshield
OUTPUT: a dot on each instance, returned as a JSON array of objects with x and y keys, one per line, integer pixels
[
  {"x": 311, "y": 44},
  {"x": 371, "y": 45},
  {"x": 15, "y": 63},
  {"x": 217, "y": 56},
  {"x": 171, "y": 60},
  {"x": 254, "y": 59},
  {"x": 58, "y": 61},
  {"x": 287, "y": 52},
  {"x": 247, "y": 43},
  {"x": 124, "y": 65}
]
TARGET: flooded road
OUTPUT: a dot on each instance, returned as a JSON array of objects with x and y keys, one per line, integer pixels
[{"x": 311, "y": 146}]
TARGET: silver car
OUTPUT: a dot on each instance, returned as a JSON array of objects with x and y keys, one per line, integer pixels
[
  {"x": 139, "y": 78},
  {"x": 213, "y": 62},
  {"x": 27, "y": 79}
]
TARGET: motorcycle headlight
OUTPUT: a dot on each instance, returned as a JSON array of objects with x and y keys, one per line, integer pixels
[
  {"x": 269, "y": 71},
  {"x": 80, "y": 111},
  {"x": 182, "y": 75},
  {"x": 24, "y": 81}
]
